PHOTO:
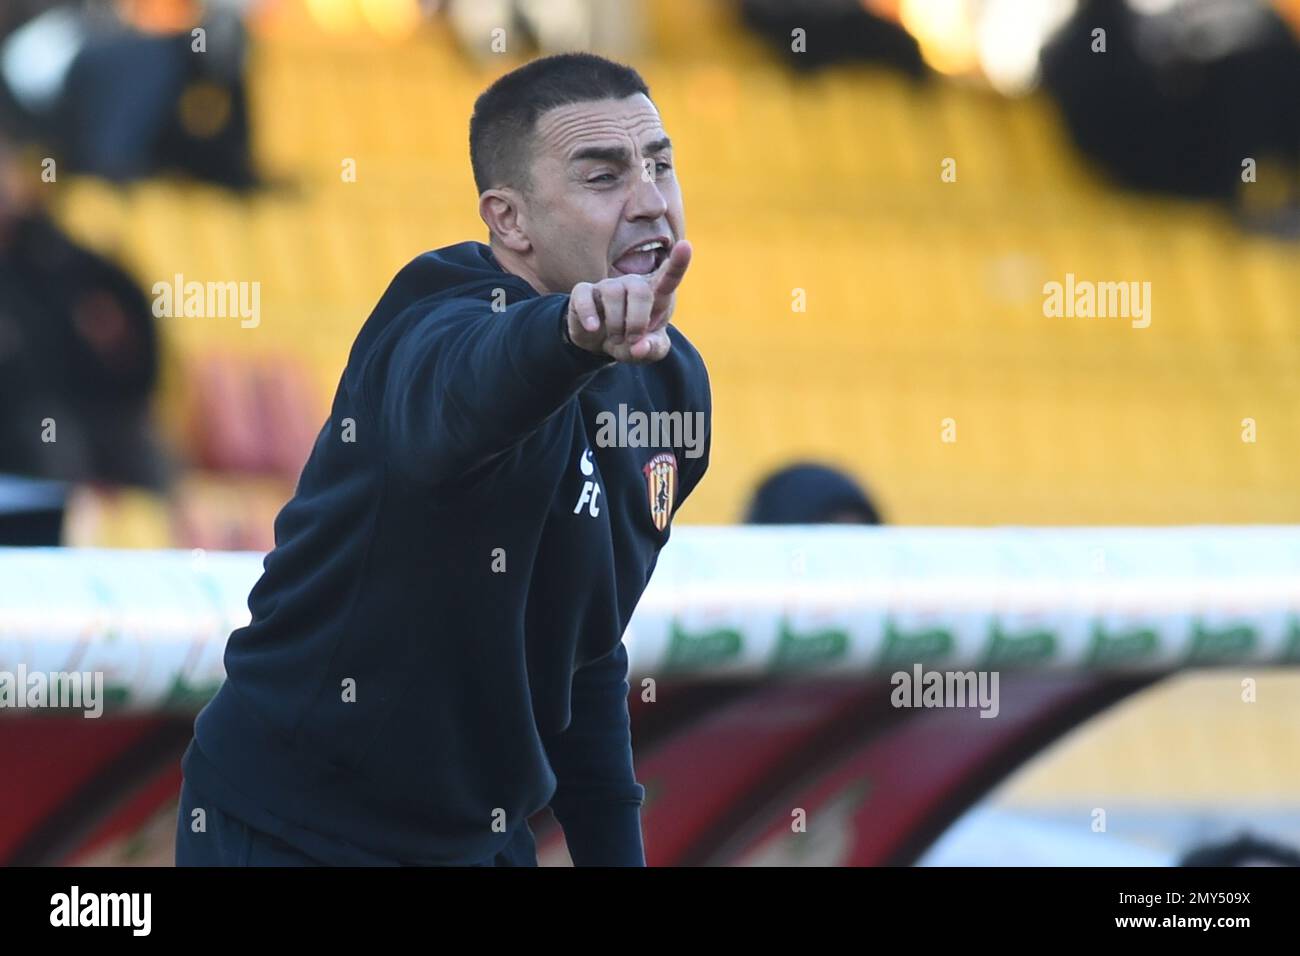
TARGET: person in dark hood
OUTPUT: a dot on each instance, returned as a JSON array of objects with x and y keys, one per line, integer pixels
[{"x": 810, "y": 494}]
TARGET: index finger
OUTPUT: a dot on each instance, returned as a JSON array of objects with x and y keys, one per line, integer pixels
[{"x": 673, "y": 269}]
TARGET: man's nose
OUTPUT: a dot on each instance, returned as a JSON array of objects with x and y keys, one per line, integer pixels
[{"x": 646, "y": 201}]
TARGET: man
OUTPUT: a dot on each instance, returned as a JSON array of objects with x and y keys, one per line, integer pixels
[
  {"x": 435, "y": 650},
  {"x": 79, "y": 353}
]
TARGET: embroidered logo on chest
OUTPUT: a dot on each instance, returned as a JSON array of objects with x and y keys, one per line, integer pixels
[{"x": 661, "y": 486}]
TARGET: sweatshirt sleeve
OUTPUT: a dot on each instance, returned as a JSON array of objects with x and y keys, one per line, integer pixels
[
  {"x": 691, "y": 393},
  {"x": 597, "y": 798},
  {"x": 464, "y": 383},
  {"x": 693, "y": 469}
]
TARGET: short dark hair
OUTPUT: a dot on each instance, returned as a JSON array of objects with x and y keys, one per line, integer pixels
[{"x": 505, "y": 114}]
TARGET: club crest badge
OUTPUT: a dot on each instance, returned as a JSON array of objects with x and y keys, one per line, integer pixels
[{"x": 661, "y": 484}]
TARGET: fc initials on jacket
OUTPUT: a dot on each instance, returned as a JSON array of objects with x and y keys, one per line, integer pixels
[{"x": 590, "y": 487}]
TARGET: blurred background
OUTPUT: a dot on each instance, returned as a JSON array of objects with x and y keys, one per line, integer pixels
[{"x": 877, "y": 191}]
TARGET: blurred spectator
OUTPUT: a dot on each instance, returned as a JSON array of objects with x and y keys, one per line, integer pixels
[
  {"x": 78, "y": 354},
  {"x": 132, "y": 88},
  {"x": 810, "y": 494},
  {"x": 835, "y": 31},
  {"x": 1180, "y": 98},
  {"x": 1245, "y": 850}
]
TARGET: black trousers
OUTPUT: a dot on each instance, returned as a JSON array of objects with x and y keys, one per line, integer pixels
[{"x": 228, "y": 841}]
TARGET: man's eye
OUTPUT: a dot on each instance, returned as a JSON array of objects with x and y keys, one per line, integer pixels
[
  {"x": 603, "y": 177},
  {"x": 662, "y": 167}
]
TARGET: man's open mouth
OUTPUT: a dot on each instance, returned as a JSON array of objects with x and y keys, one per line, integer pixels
[{"x": 643, "y": 259}]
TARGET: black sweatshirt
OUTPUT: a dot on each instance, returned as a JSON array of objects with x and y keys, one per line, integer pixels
[{"x": 435, "y": 651}]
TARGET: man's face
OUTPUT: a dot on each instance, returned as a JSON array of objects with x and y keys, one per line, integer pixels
[{"x": 603, "y": 184}]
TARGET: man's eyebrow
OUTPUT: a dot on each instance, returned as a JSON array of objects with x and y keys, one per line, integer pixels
[
  {"x": 610, "y": 154},
  {"x": 618, "y": 154}
]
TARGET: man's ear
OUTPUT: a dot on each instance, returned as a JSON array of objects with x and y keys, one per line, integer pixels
[{"x": 501, "y": 211}]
